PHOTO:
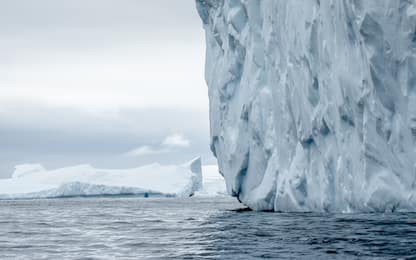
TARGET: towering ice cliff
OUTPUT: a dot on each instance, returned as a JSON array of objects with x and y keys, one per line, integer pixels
[{"x": 313, "y": 102}]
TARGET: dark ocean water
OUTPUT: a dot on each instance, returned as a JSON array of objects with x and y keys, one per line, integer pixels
[{"x": 194, "y": 228}]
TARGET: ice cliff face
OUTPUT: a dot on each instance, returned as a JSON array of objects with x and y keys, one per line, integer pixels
[{"x": 313, "y": 102}]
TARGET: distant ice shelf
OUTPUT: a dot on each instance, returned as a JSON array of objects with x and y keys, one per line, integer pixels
[{"x": 34, "y": 181}]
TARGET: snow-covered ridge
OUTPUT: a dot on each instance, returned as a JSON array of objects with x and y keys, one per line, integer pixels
[
  {"x": 313, "y": 103},
  {"x": 33, "y": 181}
]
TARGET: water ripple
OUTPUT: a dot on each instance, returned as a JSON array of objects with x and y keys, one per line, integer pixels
[{"x": 202, "y": 228}]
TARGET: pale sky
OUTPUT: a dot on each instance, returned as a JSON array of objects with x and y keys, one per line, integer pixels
[{"x": 114, "y": 84}]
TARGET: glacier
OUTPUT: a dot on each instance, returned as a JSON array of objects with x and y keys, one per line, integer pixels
[
  {"x": 34, "y": 181},
  {"x": 313, "y": 103}
]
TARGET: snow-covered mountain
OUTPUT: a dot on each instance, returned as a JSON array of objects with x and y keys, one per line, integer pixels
[{"x": 313, "y": 103}]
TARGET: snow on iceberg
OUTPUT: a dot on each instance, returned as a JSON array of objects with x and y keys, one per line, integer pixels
[
  {"x": 33, "y": 181},
  {"x": 313, "y": 103}
]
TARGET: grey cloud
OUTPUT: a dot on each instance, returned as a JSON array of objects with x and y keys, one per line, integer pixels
[
  {"x": 79, "y": 23},
  {"x": 41, "y": 32},
  {"x": 59, "y": 136}
]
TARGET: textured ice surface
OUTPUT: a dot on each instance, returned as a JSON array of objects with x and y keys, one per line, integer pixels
[
  {"x": 313, "y": 103},
  {"x": 33, "y": 181}
]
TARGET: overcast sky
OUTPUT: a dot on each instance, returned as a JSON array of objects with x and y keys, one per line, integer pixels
[{"x": 114, "y": 84}]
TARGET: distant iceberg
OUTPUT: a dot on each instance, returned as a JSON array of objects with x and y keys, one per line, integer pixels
[
  {"x": 34, "y": 181},
  {"x": 213, "y": 183}
]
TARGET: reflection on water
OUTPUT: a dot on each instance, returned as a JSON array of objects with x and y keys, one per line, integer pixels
[{"x": 193, "y": 228}]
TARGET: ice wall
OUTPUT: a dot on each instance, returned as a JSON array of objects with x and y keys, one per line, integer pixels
[{"x": 313, "y": 102}]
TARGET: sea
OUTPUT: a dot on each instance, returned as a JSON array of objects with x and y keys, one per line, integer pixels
[{"x": 194, "y": 228}]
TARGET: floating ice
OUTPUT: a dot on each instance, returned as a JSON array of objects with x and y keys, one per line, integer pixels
[
  {"x": 313, "y": 103},
  {"x": 33, "y": 181},
  {"x": 213, "y": 182}
]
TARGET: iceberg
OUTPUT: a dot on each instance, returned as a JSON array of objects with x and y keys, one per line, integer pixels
[
  {"x": 213, "y": 183},
  {"x": 34, "y": 181},
  {"x": 313, "y": 103}
]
